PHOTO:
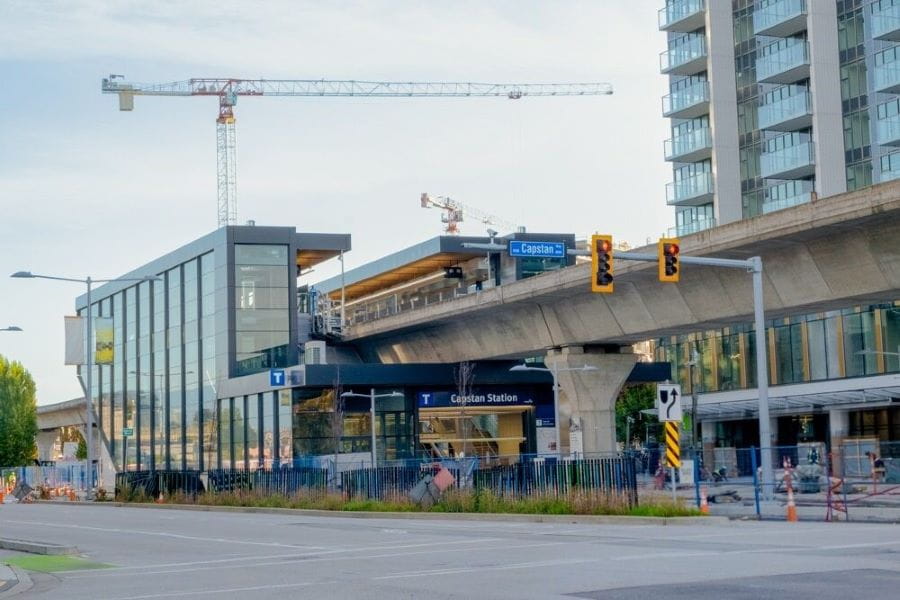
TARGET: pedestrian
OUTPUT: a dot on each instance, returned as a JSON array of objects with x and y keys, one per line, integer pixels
[{"x": 877, "y": 466}]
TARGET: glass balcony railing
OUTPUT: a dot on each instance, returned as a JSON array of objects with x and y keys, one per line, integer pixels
[
  {"x": 885, "y": 22},
  {"x": 787, "y": 114},
  {"x": 780, "y": 63},
  {"x": 696, "y": 189},
  {"x": 692, "y": 227},
  {"x": 785, "y": 163},
  {"x": 888, "y": 131},
  {"x": 779, "y": 18},
  {"x": 687, "y": 103},
  {"x": 682, "y": 15},
  {"x": 689, "y": 147},
  {"x": 786, "y": 195},
  {"x": 687, "y": 56},
  {"x": 887, "y": 77}
]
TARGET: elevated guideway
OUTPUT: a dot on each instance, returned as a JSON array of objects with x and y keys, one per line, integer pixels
[{"x": 831, "y": 253}]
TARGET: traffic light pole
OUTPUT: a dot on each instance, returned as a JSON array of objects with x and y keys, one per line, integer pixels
[{"x": 754, "y": 266}]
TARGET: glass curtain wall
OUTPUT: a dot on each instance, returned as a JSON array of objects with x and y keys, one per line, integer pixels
[
  {"x": 152, "y": 390},
  {"x": 851, "y": 343},
  {"x": 262, "y": 301}
]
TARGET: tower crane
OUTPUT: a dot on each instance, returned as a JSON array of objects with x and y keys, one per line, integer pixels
[
  {"x": 228, "y": 90},
  {"x": 455, "y": 212}
]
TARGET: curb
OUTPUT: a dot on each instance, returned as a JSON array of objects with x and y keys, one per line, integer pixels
[
  {"x": 37, "y": 547},
  {"x": 23, "y": 583},
  {"x": 429, "y": 516}
]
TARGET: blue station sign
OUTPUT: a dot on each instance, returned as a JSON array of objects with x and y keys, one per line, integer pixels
[
  {"x": 447, "y": 399},
  {"x": 525, "y": 249}
]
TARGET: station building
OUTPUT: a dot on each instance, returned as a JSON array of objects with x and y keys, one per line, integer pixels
[{"x": 231, "y": 358}]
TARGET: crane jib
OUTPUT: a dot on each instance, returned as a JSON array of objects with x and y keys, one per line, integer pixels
[{"x": 228, "y": 89}]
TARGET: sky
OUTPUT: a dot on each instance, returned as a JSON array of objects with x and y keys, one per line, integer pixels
[{"x": 88, "y": 190}]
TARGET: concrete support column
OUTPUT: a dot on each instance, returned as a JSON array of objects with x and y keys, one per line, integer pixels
[
  {"x": 838, "y": 429},
  {"x": 587, "y": 399},
  {"x": 708, "y": 442},
  {"x": 45, "y": 441}
]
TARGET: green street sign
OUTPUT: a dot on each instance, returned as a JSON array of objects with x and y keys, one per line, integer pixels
[{"x": 128, "y": 432}]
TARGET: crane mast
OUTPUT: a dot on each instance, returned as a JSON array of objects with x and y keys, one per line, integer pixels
[{"x": 227, "y": 90}]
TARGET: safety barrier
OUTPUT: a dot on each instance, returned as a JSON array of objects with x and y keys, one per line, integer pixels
[{"x": 57, "y": 479}]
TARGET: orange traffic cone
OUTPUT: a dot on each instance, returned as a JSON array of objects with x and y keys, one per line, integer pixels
[
  {"x": 791, "y": 507},
  {"x": 160, "y": 499},
  {"x": 704, "y": 504}
]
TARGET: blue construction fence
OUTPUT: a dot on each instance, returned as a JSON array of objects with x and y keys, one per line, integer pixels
[{"x": 73, "y": 476}]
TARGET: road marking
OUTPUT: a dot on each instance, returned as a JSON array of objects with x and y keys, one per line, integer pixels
[
  {"x": 168, "y": 535},
  {"x": 525, "y": 565},
  {"x": 117, "y": 571},
  {"x": 277, "y": 586}
]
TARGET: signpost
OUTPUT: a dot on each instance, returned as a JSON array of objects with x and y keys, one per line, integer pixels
[
  {"x": 668, "y": 405},
  {"x": 528, "y": 249},
  {"x": 128, "y": 432}
]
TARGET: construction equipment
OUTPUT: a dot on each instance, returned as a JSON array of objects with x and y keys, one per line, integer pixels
[
  {"x": 455, "y": 212},
  {"x": 227, "y": 90}
]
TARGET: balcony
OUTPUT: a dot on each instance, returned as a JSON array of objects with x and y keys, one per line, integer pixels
[
  {"x": 686, "y": 56},
  {"x": 690, "y": 191},
  {"x": 682, "y": 15},
  {"x": 786, "y": 195},
  {"x": 890, "y": 167},
  {"x": 888, "y": 131},
  {"x": 887, "y": 77},
  {"x": 886, "y": 22},
  {"x": 785, "y": 61},
  {"x": 689, "y": 147},
  {"x": 779, "y": 18},
  {"x": 787, "y": 114},
  {"x": 788, "y": 163},
  {"x": 688, "y": 103},
  {"x": 692, "y": 227}
]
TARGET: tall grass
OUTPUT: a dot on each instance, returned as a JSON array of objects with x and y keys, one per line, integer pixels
[{"x": 576, "y": 502}]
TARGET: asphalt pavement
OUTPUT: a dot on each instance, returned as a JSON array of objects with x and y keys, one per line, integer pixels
[{"x": 189, "y": 554}]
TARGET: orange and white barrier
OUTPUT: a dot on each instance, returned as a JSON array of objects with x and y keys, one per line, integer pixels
[{"x": 704, "y": 503}]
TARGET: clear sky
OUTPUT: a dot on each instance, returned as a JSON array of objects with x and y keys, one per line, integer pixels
[{"x": 87, "y": 190}]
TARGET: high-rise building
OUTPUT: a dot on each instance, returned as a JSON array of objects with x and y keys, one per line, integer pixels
[
  {"x": 772, "y": 101},
  {"x": 772, "y": 104}
]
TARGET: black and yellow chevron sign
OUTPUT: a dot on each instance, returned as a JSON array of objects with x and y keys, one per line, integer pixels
[{"x": 673, "y": 445}]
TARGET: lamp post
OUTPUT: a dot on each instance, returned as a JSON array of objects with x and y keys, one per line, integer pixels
[
  {"x": 89, "y": 358},
  {"x": 372, "y": 396},
  {"x": 554, "y": 372},
  {"x": 12, "y": 328}
]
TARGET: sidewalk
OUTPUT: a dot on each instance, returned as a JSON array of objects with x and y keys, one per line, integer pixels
[{"x": 8, "y": 579}]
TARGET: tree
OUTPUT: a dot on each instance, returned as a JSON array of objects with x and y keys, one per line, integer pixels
[
  {"x": 630, "y": 403},
  {"x": 18, "y": 415},
  {"x": 465, "y": 376}
]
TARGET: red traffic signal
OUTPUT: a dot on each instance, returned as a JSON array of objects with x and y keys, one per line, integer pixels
[{"x": 668, "y": 251}]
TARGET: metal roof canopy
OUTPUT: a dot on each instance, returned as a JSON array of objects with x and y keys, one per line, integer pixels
[
  {"x": 417, "y": 261},
  {"x": 782, "y": 405}
]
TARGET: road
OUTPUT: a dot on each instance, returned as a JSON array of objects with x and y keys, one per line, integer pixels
[{"x": 189, "y": 554}]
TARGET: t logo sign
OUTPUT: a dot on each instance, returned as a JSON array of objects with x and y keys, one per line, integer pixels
[{"x": 276, "y": 377}]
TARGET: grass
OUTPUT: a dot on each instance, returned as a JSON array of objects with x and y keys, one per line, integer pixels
[
  {"x": 53, "y": 564},
  {"x": 578, "y": 502}
]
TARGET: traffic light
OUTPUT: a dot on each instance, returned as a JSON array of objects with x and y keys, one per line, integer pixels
[
  {"x": 668, "y": 260},
  {"x": 602, "y": 264}
]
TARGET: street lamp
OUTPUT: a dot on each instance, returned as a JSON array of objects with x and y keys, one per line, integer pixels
[
  {"x": 372, "y": 396},
  {"x": 12, "y": 328},
  {"x": 89, "y": 419},
  {"x": 554, "y": 371}
]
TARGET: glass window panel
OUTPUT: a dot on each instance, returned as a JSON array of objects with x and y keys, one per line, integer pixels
[
  {"x": 859, "y": 338},
  {"x": 818, "y": 359},
  {"x": 262, "y": 320},
  {"x": 260, "y": 297},
  {"x": 890, "y": 318},
  {"x": 259, "y": 254},
  {"x": 250, "y": 276}
]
